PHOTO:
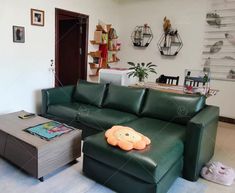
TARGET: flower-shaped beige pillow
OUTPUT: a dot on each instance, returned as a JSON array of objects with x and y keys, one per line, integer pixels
[{"x": 126, "y": 138}]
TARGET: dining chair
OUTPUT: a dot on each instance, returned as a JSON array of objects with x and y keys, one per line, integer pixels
[
  {"x": 173, "y": 80},
  {"x": 194, "y": 81}
]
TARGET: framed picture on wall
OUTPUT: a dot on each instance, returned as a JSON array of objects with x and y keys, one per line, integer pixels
[
  {"x": 37, "y": 17},
  {"x": 18, "y": 34}
]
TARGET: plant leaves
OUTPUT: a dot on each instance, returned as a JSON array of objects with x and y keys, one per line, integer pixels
[
  {"x": 131, "y": 63},
  {"x": 152, "y": 69},
  {"x": 141, "y": 70},
  {"x": 152, "y": 65}
]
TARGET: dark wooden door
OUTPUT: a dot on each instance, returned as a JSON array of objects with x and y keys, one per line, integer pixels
[{"x": 71, "y": 47}]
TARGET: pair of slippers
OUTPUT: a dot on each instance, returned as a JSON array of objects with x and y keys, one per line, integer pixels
[{"x": 218, "y": 173}]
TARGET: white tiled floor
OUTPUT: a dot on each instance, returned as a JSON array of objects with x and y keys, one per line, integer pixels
[
  {"x": 225, "y": 153},
  {"x": 14, "y": 181}
]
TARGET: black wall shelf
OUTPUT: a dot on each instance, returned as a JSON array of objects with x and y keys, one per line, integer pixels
[
  {"x": 170, "y": 44},
  {"x": 142, "y": 36}
]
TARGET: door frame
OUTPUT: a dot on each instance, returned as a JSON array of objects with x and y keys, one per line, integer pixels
[{"x": 85, "y": 51}]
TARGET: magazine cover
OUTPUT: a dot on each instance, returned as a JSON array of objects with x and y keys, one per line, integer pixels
[{"x": 49, "y": 130}]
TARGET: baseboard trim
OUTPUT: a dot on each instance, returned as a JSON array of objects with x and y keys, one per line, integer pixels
[{"x": 227, "y": 120}]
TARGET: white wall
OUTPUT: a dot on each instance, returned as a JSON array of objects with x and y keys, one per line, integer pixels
[
  {"x": 188, "y": 16},
  {"x": 24, "y": 68},
  {"x": 225, "y": 98}
]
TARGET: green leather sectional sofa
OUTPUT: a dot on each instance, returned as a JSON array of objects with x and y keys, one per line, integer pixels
[{"x": 182, "y": 129}]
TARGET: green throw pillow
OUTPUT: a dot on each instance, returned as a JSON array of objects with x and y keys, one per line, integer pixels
[{"x": 89, "y": 93}]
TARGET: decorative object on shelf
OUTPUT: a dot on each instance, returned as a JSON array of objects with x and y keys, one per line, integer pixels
[
  {"x": 213, "y": 19},
  {"x": 231, "y": 74},
  {"x": 230, "y": 38},
  {"x": 216, "y": 47},
  {"x": 98, "y": 37},
  {"x": 37, "y": 17},
  {"x": 206, "y": 67},
  {"x": 170, "y": 42},
  {"x": 218, "y": 55},
  {"x": 106, "y": 38},
  {"x": 142, "y": 36},
  {"x": 112, "y": 34},
  {"x": 141, "y": 70},
  {"x": 18, "y": 34}
]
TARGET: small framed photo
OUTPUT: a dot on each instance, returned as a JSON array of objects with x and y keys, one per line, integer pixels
[
  {"x": 37, "y": 17},
  {"x": 18, "y": 34}
]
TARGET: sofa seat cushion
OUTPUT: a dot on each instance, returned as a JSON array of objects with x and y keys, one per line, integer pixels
[
  {"x": 69, "y": 111},
  {"x": 172, "y": 107},
  {"x": 149, "y": 164},
  {"x": 103, "y": 118}
]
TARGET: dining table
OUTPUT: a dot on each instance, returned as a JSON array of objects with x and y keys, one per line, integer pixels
[{"x": 178, "y": 89}]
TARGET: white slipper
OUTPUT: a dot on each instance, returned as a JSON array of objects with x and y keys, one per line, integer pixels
[
  {"x": 223, "y": 167},
  {"x": 218, "y": 173}
]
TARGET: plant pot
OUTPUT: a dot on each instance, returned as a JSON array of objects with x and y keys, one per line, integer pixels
[{"x": 140, "y": 83}]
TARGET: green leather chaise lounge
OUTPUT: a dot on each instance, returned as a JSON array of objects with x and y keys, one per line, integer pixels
[{"x": 182, "y": 129}]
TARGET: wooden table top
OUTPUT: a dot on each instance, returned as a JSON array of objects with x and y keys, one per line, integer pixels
[
  {"x": 179, "y": 89},
  {"x": 14, "y": 126}
]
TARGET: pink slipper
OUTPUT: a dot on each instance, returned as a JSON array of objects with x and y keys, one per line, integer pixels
[
  {"x": 222, "y": 167},
  {"x": 218, "y": 173}
]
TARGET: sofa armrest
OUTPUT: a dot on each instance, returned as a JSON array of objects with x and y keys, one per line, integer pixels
[
  {"x": 56, "y": 95},
  {"x": 200, "y": 141}
]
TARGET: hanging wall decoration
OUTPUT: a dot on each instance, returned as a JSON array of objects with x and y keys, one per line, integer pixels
[
  {"x": 18, "y": 34},
  {"x": 170, "y": 42},
  {"x": 218, "y": 55},
  {"x": 37, "y": 17},
  {"x": 142, "y": 36}
]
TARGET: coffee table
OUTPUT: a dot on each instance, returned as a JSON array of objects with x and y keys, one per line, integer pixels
[{"x": 32, "y": 154}]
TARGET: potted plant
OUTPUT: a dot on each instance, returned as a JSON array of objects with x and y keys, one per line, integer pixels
[{"x": 141, "y": 70}]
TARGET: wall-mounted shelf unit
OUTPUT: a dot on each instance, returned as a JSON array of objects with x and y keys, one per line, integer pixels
[
  {"x": 225, "y": 79},
  {"x": 170, "y": 44},
  {"x": 93, "y": 42},
  {"x": 218, "y": 56},
  {"x": 106, "y": 39},
  {"x": 142, "y": 36}
]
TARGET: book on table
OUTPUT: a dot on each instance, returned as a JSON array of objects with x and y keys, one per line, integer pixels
[{"x": 49, "y": 130}]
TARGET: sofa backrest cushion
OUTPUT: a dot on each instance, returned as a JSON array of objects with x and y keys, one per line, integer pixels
[
  {"x": 173, "y": 107},
  {"x": 89, "y": 93},
  {"x": 124, "y": 98}
]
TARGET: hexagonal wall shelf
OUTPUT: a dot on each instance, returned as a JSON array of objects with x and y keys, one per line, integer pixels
[
  {"x": 142, "y": 36},
  {"x": 170, "y": 43}
]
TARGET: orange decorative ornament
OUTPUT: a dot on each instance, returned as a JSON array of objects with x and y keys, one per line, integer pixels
[{"x": 126, "y": 138}]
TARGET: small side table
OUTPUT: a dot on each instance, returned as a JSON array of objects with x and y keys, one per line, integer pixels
[{"x": 32, "y": 154}]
